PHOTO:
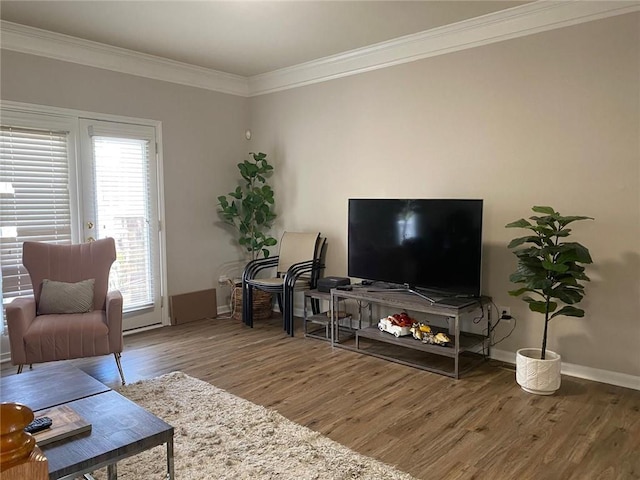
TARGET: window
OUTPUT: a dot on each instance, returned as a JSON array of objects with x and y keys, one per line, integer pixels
[
  {"x": 34, "y": 173},
  {"x": 112, "y": 191}
]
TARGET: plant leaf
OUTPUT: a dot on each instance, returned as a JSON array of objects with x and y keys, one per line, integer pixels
[
  {"x": 547, "y": 220},
  {"x": 563, "y": 221},
  {"x": 519, "y": 241},
  {"x": 554, "y": 267},
  {"x": 536, "y": 305},
  {"x": 522, "y": 223},
  {"x": 545, "y": 210},
  {"x": 567, "y": 294},
  {"x": 581, "y": 252},
  {"x": 568, "y": 311}
]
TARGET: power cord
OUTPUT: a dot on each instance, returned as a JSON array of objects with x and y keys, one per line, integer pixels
[
  {"x": 480, "y": 317},
  {"x": 501, "y": 316}
]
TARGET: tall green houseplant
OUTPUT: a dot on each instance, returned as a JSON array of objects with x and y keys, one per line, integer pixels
[
  {"x": 549, "y": 268},
  {"x": 249, "y": 209}
]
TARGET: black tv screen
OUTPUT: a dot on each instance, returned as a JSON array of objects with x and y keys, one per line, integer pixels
[{"x": 433, "y": 244}]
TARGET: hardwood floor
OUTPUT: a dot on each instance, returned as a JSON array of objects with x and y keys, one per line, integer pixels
[{"x": 482, "y": 426}]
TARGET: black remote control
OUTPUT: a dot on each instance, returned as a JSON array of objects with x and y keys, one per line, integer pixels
[{"x": 38, "y": 425}]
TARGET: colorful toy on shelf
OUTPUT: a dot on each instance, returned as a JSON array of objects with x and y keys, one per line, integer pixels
[
  {"x": 419, "y": 330},
  {"x": 438, "y": 339},
  {"x": 401, "y": 324},
  {"x": 398, "y": 324}
]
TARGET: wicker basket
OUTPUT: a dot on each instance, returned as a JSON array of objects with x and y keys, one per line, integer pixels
[{"x": 262, "y": 304}]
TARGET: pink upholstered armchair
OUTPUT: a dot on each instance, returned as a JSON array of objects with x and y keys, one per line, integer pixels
[{"x": 42, "y": 333}]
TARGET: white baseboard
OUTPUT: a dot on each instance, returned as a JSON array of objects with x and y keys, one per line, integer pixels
[
  {"x": 580, "y": 371},
  {"x": 142, "y": 329},
  {"x": 571, "y": 369}
]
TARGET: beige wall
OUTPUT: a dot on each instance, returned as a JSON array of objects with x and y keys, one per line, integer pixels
[
  {"x": 551, "y": 119},
  {"x": 203, "y": 139}
]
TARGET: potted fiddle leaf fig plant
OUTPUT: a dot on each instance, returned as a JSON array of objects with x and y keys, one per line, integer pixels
[
  {"x": 249, "y": 210},
  {"x": 550, "y": 271}
]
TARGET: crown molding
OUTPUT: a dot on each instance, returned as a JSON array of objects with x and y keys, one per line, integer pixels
[
  {"x": 34, "y": 41},
  {"x": 507, "y": 24}
]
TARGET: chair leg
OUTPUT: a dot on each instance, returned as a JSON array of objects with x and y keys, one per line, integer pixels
[
  {"x": 20, "y": 367},
  {"x": 282, "y": 305},
  {"x": 119, "y": 364},
  {"x": 250, "y": 306},
  {"x": 291, "y": 319},
  {"x": 244, "y": 303},
  {"x": 247, "y": 305},
  {"x": 288, "y": 310}
]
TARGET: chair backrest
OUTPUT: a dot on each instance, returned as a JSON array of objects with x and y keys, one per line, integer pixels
[
  {"x": 321, "y": 256},
  {"x": 297, "y": 247},
  {"x": 71, "y": 264}
]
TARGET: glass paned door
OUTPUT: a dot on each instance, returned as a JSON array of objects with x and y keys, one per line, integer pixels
[{"x": 120, "y": 201}]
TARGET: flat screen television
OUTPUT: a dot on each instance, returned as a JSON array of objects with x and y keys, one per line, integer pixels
[{"x": 429, "y": 244}]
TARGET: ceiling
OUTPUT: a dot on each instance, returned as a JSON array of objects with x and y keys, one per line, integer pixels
[{"x": 245, "y": 38}]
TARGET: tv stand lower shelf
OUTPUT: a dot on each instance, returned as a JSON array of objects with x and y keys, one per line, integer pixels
[
  {"x": 464, "y": 351},
  {"x": 468, "y": 342}
]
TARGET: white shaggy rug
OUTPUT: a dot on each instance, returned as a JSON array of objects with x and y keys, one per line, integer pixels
[{"x": 221, "y": 436}]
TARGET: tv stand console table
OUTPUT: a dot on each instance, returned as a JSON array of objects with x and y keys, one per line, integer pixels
[{"x": 471, "y": 344}]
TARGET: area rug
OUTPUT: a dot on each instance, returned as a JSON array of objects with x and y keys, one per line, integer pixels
[{"x": 221, "y": 436}]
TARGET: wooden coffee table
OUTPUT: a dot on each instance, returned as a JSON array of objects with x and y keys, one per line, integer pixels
[{"x": 119, "y": 427}]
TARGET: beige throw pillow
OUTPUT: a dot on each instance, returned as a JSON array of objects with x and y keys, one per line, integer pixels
[{"x": 62, "y": 297}]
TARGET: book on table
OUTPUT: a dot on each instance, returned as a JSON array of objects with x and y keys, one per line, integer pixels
[{"x": 65, "y": 423}]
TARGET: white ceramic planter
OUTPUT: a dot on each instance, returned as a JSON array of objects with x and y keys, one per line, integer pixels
[{"x": 541, "y": 377}]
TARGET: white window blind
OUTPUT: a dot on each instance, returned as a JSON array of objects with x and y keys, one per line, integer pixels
[
  {"x": 123, "y": 211},
  {"x": 34, "y": 198}
]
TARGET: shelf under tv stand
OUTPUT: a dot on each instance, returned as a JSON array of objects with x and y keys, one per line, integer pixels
[{"x": 407, "y": 350}]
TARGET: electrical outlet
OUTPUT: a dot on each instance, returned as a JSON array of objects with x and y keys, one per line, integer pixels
[
  {"x": 222, "y": 279},
  {"x": 504, "y": 313}
]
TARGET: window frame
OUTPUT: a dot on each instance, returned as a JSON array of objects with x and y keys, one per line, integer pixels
[{"x": 40, "y": 116}]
